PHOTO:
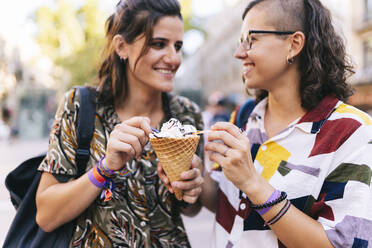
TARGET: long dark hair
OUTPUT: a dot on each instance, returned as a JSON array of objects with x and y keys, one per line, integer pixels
[
  {"x": 323, "y": 64},
  {"x": 131, "y": 19}
]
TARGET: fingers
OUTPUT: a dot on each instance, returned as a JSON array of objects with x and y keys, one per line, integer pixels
[
  {"x": 190, "y": 183},
  {"x": 228, "y": 127},
  {"x": 192, "y": 196},
  {"x": 134, "y": 132},
  {"x": 196, "y": 162},
  {"x": 218, "y": 152},
  {"x": 230, "y": 135},
  {"x": 123, "y": 147},
  {"x": 126, "y": 130},
  {"x": 217, "y": 147},
  {"x": 191, "y": 179},
  {"x": 127, "y": 141},
  {"x": 163, "y": 177},
  {"x": 123, "y": 137},
  {"x": 139, "y": 122}
]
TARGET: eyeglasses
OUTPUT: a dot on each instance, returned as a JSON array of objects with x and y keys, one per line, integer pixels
[{"x": 247, "y": 42}]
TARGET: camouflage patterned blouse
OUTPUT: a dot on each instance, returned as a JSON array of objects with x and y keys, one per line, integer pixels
[{"x": 142, "y": 212}]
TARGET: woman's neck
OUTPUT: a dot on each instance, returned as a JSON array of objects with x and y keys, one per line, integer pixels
[
  {"x": 283, "y": 107},
  {"x": 141, "y": 103}
]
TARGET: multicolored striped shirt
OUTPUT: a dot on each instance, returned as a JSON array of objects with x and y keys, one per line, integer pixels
[
  {"x": 323, "y": 161},
  {"x": 142, "y": 212}
]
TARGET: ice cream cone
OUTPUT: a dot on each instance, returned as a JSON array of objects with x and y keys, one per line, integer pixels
[{"x": 175, "y": 155}]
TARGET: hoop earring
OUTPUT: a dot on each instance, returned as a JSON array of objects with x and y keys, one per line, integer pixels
[{"x": 290, "y": 60}]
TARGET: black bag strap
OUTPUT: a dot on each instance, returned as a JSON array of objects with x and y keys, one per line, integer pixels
[{"x": 85, "y": 127}]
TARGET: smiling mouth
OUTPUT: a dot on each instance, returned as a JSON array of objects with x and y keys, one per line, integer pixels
[
  {"x": 165, "y": 71},
  {"x": 247, "y": 68}
]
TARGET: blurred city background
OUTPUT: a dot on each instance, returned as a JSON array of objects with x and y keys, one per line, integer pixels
[{"x": 47, "y": 46}]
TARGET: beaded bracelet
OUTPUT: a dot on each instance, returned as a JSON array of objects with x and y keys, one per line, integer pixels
[
  {"x": 281, "y": 198},
  {"x": 281, "y": 213},
  {"x": 275, "y": 195}
]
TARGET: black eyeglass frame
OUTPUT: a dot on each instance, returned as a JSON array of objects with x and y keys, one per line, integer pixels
[{"x": 247, "y": 42}]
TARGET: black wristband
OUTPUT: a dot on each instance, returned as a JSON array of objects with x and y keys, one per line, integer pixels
[{"x": 281, "y": 198}]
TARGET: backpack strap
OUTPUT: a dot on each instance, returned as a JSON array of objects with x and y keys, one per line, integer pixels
[
  {"x": 243, "y": 112},
  {"x": 85, "y": 127}
]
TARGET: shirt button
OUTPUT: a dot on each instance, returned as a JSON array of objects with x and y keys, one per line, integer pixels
[
  {"x": 143, "y": 223},
  {"x": 263, "y": 148},
  {"x": 242, "y": 206}
]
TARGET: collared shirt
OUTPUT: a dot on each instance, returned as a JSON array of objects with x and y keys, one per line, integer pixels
[
  {"x": 322, "y": 161},
  {"x": 142, "y": 212}
]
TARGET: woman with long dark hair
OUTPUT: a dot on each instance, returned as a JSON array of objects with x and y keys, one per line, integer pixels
[
  {"x": 300, "y": 174},
  {"x": 120, "y": 201}
]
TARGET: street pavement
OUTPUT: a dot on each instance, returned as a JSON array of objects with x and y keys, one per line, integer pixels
[{"x": 199, "y": 228}]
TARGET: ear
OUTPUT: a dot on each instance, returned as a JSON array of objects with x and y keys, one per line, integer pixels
[
  {"x": 297, "y": 44},
  {"x": 120, "y": 46}
]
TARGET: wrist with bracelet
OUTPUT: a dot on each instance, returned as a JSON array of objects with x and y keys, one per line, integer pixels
[
  {"x": 109, "y": 173},
  {"x": 102, "y": 177},
  {"x": 280, "y": 214},
  {"x": 275, "y": 198}
]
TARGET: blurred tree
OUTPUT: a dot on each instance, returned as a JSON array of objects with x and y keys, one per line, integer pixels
[
  {"x": 188, "y": 17},
  {"x": 186, "y": 11},
  {"x": 73, "y": 37}
]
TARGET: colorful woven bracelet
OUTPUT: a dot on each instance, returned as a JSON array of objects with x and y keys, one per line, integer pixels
[
  {"x": 104, "y": 171},
  {"x": 275, "y": 195},
  {"x": 100, "y": 182},
  {"x": 281, "y": 198},
  {"x": 122, "y": 172},
  {"x": 108, "y": 173},
  {"x": 281, "y": 213},
  {"x": 96, "y": 178}
]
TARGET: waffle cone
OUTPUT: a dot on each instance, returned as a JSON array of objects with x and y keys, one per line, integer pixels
[{"x": 175, "y": 155}]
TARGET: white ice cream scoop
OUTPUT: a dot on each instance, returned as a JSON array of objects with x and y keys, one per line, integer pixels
[{"x": 174, "y": 129}]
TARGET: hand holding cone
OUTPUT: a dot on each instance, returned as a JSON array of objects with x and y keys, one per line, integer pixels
[{"x": 175, "y": 155}]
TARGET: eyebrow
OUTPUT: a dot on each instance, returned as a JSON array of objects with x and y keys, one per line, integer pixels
[{"x": 165, "y": 40}]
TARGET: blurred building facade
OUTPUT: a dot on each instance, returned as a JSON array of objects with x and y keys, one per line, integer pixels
[
  {"x": 27, "y": 92},
  {"x": 357, "y": 16},
  {"x": 213, "y": 66}
]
